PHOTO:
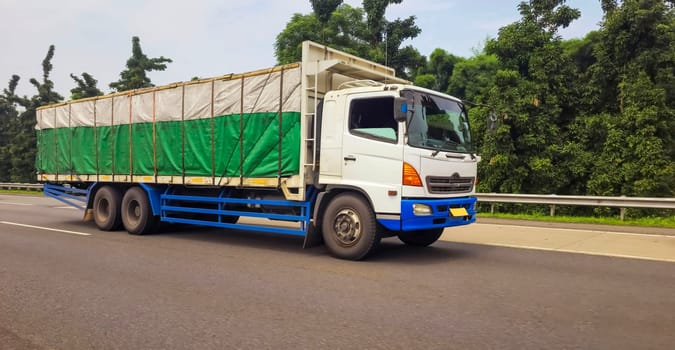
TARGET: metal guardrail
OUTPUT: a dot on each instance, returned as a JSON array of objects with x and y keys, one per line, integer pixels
[
  {"x": 594, "y": 201},
  {"x": 20, "y": 186}
]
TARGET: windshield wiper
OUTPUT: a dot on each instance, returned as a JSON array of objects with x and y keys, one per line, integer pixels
[{"x": 440, "y": 148}]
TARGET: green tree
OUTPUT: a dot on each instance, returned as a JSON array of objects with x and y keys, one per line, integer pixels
[
  {"x": 323, "y": 9},
  {"x": 343, "y": 31},
  {"x": 426, "y": 81},
  {"x": 536, "y": 30},
  {"x": 138, "y": 65},
  {"x": 45, "y": 89},
  {"x": 632, "y": 96},
  {"x": 585, "y": 133},
  {"x": 364, "y": 32},
  {"x": 581, "y": 51},
  {"x": 471, "y": 78},
  {"x": 8, "y": 117},
  {"x": 22, "y": 149},
  {"x": 288, "y": 44},
  {"x": 86, "y": 87},
  {"x": 532, "y": 92},
  {"x": 608, "y": 5},
  {"x": 440, "y": 67},
  {"x": 377, "y": 23},
  {"x": 386, "y": 37},
  {"x": 423, "y": 77}
]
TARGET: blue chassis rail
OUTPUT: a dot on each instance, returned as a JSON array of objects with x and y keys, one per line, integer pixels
[
  {"x": 167, "y": 209},
  {"x": 162, "y": 202},
  {"x": 68, "y": 195}
]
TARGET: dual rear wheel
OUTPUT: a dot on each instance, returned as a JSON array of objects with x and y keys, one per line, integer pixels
[{"x": 112, "y": 210}]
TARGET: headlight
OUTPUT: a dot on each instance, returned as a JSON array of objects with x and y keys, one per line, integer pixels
[{"x": 421, "y": 209}]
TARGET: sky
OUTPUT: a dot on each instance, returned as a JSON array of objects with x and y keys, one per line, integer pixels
[{"x": 208, "y": 38}]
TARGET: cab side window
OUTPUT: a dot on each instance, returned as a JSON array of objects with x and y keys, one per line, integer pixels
[{"x": 374, "y": 118}]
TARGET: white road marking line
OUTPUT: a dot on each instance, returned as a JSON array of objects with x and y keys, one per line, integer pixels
[
  {"x": 570, "y": 251},
  {"x": 580, "y": 230},
  {"x": 13, "y": 203},
  {"x": 45, "y": 228},
  {"x": 66, "y": 207}
]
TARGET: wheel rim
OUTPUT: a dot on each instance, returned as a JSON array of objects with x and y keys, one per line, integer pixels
[
  {"x": 347, "y": 227},
  {"x": 134, "y": 212}
]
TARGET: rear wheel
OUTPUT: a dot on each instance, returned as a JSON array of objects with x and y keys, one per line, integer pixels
[
  {"x": 136, "y": 212},
  {"x": 107, "y": 209},
  {"x": 421, "y": 238},
  {"x": 349, "y": 228}
]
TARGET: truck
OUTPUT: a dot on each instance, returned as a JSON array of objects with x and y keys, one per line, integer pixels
[{"x": 334, "y": 148}]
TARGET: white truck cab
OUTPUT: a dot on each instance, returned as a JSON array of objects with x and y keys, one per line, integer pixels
[{"x": 406, "y": 148}]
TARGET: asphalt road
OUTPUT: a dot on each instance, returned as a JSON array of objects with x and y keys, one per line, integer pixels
[{"x": 79, "y": 288}]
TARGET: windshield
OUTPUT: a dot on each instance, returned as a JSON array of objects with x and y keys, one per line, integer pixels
[{"x": 437, "y": 123}]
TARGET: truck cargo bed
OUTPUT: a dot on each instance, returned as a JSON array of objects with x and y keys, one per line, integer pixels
[{"x": 241, "y": 130}]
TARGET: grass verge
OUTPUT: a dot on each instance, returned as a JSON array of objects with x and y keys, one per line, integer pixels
[
  {"x": 666, "y": 222},
  {"x": 23, "y": 192}
]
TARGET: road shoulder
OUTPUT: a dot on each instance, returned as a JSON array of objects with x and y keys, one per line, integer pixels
[
  {"x": 580, "y": 226},
  {"x": 638, "y": 243}
]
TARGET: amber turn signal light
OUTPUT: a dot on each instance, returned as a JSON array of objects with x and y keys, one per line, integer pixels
[{"x": 410, "y": 176}]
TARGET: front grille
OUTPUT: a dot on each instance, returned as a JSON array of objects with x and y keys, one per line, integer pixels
[{"x": 449, "y": 184}]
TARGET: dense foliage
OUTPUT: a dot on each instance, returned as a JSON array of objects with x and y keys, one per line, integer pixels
[
  {"x": 591, "y": 116},
  {"x": 364, "y": 32}
]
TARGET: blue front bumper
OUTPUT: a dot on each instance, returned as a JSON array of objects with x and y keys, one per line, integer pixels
[{"x": 440, "y": 216}]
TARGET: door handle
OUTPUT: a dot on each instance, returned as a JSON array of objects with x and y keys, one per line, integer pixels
[{"x": 351, "y": 158}]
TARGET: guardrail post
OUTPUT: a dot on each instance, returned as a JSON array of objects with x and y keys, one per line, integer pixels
[
  {"x": 492, "y": 208},
  {"x": 552, "y": 207},
  {"x": 622, "y": 213}
]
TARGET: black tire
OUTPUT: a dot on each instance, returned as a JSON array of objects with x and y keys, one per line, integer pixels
[
  {"x": 349, "y": 228},
  {"x": 385, "y": 232},
  {"x": 106, "y": 209},
  {"x": 136, "y": 212},
  {"x": 229, "y": 219},
  {"x": 421, "y": 238}
]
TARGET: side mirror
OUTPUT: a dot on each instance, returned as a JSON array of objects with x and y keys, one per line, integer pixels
[{"x": 400, "y": 109}]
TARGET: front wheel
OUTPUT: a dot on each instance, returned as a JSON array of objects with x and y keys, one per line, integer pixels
[
  {"x": 136, "y": 212},
  {"x": 349, "y": 228},
  {"x": 421, "y": 238}
]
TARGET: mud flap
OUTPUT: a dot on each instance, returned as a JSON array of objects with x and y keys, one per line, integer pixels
[
  {"x": 88, "y": 215},
  {"x": 313, "y": 237}
]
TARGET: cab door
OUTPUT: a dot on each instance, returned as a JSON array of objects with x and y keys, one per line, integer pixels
[{"x": 372, "y": 151}]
